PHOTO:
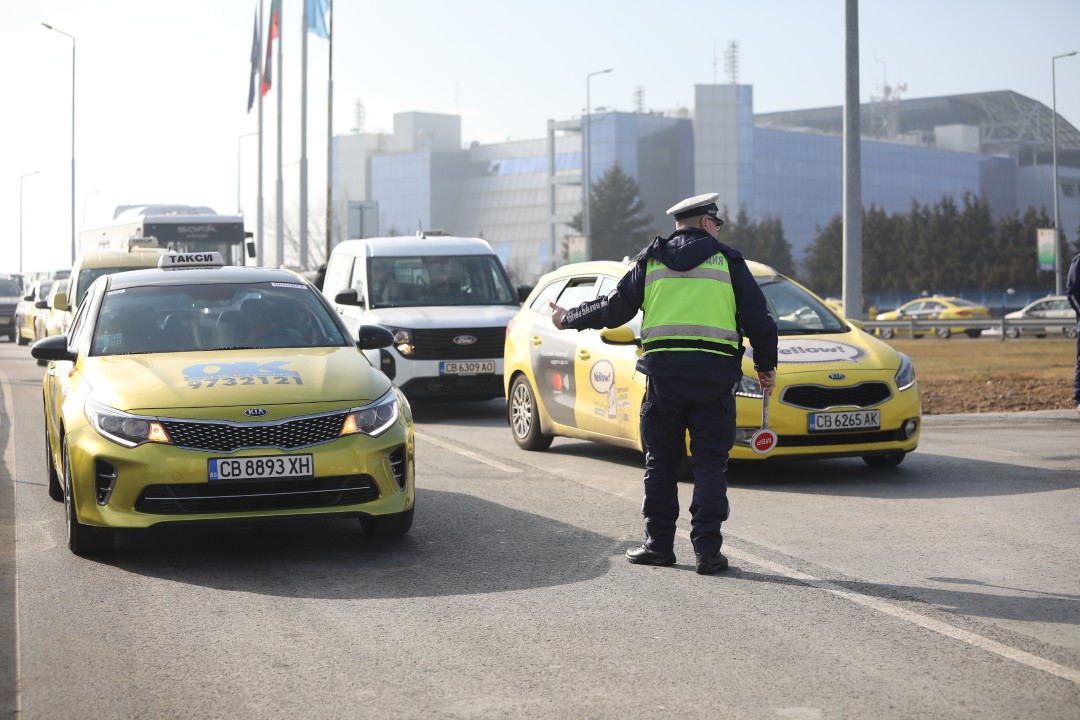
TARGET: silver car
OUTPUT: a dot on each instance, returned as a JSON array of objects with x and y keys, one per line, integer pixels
[{"x": 1054, "y": 307}]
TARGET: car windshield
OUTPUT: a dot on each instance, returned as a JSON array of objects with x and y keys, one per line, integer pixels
[
  {"x": 89, "y": 275},
  {"x": 436, "y": 280},
  {"x": 796, "y": 311},
  {"x": 9, "y": 288},
  {"x": 220, "y": 316}
]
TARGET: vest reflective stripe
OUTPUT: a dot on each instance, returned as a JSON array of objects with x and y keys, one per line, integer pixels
[
  {"x": 701, "y": 271},
  {"x": 690, "y": 310},
  {"x": 702, "y": 331}
]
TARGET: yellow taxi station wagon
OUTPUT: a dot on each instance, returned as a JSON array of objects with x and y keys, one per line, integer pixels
[
  {"x": 840, "y": 392},
  {"x": 201, "y": 392}
]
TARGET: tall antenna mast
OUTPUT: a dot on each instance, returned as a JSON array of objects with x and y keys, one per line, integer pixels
[
  {"x": 639, "y": 99},
  {"x": 731, "y": 62}
]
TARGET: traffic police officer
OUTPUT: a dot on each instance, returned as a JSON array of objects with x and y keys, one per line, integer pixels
[{"x": 699, "y": 298}]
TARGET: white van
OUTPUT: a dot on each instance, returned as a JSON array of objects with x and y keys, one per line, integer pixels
[{"x": 446, "y": 299}]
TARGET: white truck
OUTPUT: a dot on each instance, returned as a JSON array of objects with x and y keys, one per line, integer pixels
[{"x": 446, "y": 299}]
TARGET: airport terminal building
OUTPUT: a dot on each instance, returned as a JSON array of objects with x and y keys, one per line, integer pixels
[{"x": 521, "y": 195}]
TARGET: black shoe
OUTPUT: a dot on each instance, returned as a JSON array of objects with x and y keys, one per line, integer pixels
[
  {"x": 709, "y": 564},
  {"x": 644, "y": 556}
]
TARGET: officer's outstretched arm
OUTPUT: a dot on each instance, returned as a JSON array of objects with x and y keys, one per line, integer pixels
[{"x": 557, "y": 315}]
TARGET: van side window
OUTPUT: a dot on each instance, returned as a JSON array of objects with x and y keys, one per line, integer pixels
[{"x": 338, "y": 274}]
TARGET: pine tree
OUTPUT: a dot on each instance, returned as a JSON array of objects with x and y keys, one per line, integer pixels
[{"x": 619, "y": 226}]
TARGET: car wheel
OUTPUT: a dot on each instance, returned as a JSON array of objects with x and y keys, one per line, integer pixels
[
  {"x": 887, "y": 333},
  {"x": 1040, "y": 335},
  {"x": 386, "y": 526},
  {"x": 21, "y": 339},
  {"x": 887, "y": 460},
  {"x": 1070, "y": 332},
  {"x": 524, "y": 418},
  {"x": 1012, "y": 332},
  {"x": 943, "y": 333},
  {"x": 973, "y": 333},
  {"x": 56, "y": 490},
  {"x": 82, "y": 539}
]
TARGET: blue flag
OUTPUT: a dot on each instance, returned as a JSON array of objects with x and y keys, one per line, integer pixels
[
  {"x": 255, "y": 69},
  {"x": 316, "y": 18}
]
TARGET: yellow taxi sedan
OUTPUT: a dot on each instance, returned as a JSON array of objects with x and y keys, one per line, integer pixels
[
  {"x": 839, "y": 392},
  {"x": 935, "y": 308},
  {"x": 201, "y": 392}
]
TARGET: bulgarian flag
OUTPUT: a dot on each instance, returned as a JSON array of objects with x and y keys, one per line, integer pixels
[{"x": 274, "y": 32}]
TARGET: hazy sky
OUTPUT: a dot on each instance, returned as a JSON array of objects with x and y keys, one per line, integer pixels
[{"x": 161, "y": 86}]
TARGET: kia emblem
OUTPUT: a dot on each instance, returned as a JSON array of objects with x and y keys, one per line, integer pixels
[
  {"x": 254, "y": 412},
  {"x": 836, "y": 376},
  {"x": 465, "y": 340}
]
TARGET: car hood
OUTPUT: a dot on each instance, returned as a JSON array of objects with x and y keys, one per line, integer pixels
[
  {"x": 850, "y": 351},
  {"x": 188, "y": 384},
  {"x": 441, "y": 318}
]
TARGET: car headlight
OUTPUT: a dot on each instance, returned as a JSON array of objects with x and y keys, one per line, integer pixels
[
  {"x": 124, "y": 428},
  {"x": 749, "y": 387},
  {"x": 905, "y": 376},
  {"x": 403, "y": 340},
  {"x": 373, "y": 419}
]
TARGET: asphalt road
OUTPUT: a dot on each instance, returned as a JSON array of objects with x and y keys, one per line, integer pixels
[{"x": 944, "y": 588}]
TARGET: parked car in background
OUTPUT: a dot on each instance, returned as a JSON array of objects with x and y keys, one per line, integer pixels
[
  {"x": 935, "y": 308},
  {"x": 10, "y": 297},
  {"x": 49, "y": 320},
  {"x": 1051, "y": 307},
  {"x": 27, "y": 311}
]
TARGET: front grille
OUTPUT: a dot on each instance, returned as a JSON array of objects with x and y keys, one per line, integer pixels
[
  {"x": 256, "y": 495},
  {"x": 440, "y": 345},
  {"x": 817, "y": 397},
  {"x": 228, "y": 437}
]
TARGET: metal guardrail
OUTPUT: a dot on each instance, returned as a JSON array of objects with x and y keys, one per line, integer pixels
[{"x": 910, "y": 325}]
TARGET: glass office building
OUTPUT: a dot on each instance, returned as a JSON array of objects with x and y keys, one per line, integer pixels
[{"x": 521, "y": 196}]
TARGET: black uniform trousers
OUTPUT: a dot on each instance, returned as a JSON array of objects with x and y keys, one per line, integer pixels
[
  {"x": 706, "y": 407},
  {"x": 1076, "y": 377}
]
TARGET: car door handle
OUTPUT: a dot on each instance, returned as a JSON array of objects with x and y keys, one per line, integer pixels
[
  {"x": 583, "y": 355},
  {"x": 536, "y": 340}
]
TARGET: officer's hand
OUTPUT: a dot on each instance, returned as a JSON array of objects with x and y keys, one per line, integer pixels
[
  {"x": 557, "y": 314},
  {"x": 767, "y": 380}
]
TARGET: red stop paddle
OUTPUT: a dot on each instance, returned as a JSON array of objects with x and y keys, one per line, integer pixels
[{"x": 764, "y": 440}]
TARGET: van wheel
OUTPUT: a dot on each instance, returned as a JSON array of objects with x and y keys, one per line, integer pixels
[{"x": 524, "y": 418}]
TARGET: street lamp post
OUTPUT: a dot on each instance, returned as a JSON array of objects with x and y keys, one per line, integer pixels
[
  {"x": 1057, "y": 218},
  {"x": 72, "y": 38},
  {"x": 239, "y": 205},
  {"x": 21, "y": 178},
  {"x": 586, "y": 135}
]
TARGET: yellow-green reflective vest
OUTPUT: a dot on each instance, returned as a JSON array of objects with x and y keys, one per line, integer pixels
[{"x": 690, "y": 310}]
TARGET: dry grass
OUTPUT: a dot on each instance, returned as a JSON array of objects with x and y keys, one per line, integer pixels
[{"x": 961, "y": 375}]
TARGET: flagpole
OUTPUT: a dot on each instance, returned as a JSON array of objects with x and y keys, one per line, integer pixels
[
  {"x": 330, "y": 140},
  {"x": 259, "y": 250},
  {"x": 303, "y": 141},
  {"x": 280, "y": 184}
]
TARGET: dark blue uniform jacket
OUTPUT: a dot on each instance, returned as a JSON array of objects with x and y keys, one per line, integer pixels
[{"x": 684, "y": 250}]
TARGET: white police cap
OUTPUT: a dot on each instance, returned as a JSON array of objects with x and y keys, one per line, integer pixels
[{"x": 694, "y": 206}]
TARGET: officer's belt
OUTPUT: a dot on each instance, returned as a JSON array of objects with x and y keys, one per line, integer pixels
[{"x": 691, "y": 344}]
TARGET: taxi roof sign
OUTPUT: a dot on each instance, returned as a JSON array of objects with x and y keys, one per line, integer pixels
[{"x": 177, "y": 261}]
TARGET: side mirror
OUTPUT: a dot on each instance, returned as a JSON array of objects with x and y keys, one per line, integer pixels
[
  {"x": 60, "y": 301},
  {"x": 374, "y": 337},
  {"x": 523, "y": 292},
  {"x": 28, "y": 297},
  {"x": 349, "y": 297},
  {"x": 54, "y": 347},
  {"x": 42, "y": 304},
  {"x": 622, "y": 335},
  {"x": 249, "y": 243}
]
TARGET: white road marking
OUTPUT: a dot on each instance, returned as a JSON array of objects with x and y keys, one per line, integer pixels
[
  {"x": 9, "y": 461},
  {"x": 467, "y": 453},
  {"x": 915, "y": 618},
  {"x": 882, "y": 606}
]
